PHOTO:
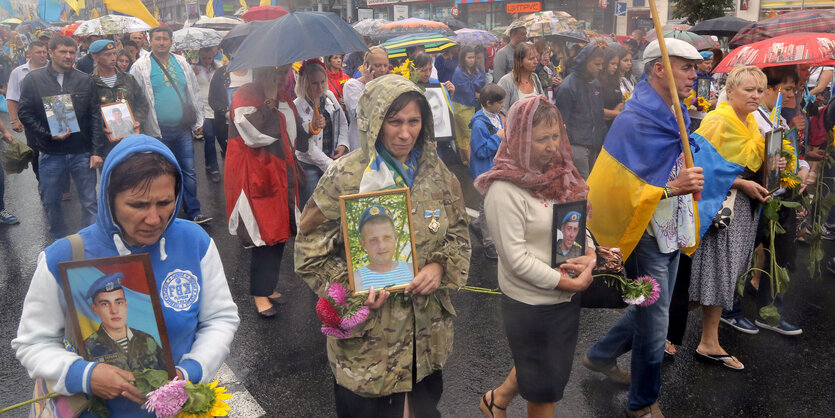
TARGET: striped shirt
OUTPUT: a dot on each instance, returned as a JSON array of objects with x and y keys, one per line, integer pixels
[
  {"x": 109, "y": 81},
  {"x": 365, "y": 278}
]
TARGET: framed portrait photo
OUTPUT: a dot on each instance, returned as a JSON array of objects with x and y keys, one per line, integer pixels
[
  {"x": 771, "y": 170},
  {"x": 114, "y": 314},
  {"x": 703, "y": 87},
  {"x": 119, "y": 120},
  {"x": 568, "y": 237},
  {"x": 441, "y": 112},
  {"x": 379, "y": 240},
  {"x": 60, "y": 114}
]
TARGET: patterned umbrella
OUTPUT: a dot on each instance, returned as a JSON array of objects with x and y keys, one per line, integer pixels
[
  {"x": 721, "y": 26},
  {"x": 368, "y": 27},
  {"x": 800, "y": 48},
  {"x": 410, "y": 26},
  {"x": 263, "y": 13},
  {"x": 111, "y": 25},
  {"x": 396, "y": 47},
  {"x": 69, "y": 30},
  {"x": 192, "y": 39},
  {"x": 820, "y": 21},
  {"x": 475, "y": 37},
  {"x": 548, "y": 23},
  {"x": 700, "y": 42}
]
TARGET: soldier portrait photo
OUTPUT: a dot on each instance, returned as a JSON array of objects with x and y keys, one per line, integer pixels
[
  {"x": 60, "y": 114},
  {"x": 118, "y": 119},
  {"x": 117, "y": 313},
  {"x": 379, "y": 244},
  {"x": 569, "y": 224}
]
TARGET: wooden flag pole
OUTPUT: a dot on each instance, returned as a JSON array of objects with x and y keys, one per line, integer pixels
[{"x": 668, "y": 69}]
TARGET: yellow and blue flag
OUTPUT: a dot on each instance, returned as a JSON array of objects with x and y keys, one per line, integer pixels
[
  {"x": 133, "y": 8},
  {"x": 726, "y": 147},
  {"x": 214, "y": 8},
  {"x": 628, "y": 179}
]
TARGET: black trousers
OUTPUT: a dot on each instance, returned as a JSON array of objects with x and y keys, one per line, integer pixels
[
  {"x": 265, "y": 264},
  {"x": 680, "y": 302},
  {"x": 423, "y": 400}
]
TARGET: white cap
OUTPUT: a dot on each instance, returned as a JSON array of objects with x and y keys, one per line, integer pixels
[{"x": 675, "y": 48}]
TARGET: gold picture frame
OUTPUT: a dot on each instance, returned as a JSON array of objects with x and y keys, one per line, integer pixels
[{"x": 118, "y": 130}]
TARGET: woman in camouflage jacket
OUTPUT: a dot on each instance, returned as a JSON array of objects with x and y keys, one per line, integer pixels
[{"x": 402, "y": 347}]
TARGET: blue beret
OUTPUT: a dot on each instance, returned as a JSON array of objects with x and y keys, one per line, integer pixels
[
  {"x": 373, "y": 212},
  {"x": 106, "y": 283},
  {"x": 101, "y": 45},
  {"x": 707, "y": 55},
  {"x": 572, "y": 216}
]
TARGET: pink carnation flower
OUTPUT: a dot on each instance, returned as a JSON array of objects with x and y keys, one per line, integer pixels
[
  {"x": 167, "y": 401},
  {"x": 335, "y": 332},
  {"x": 656, "y": 290},
  {"x": 352, "y": 321},
  {"x": 338, "y": 294}
]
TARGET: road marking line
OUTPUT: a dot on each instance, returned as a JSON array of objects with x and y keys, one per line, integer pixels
[{"x": 242, "y": 404}]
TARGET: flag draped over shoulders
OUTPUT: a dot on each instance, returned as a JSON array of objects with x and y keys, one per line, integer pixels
[
  {"x": 628, "y": 179},
  {"x": 726, "y": 147}
]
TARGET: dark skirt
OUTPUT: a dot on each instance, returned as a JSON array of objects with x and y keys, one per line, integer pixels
[{"x": 542, "y": 339}]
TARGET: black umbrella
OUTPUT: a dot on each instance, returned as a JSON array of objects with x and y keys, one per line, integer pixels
[
  {"x": 453, "y": 23},
  {"x": 721, "y": 26},
  {"x": 238, "y": 33},
  {"x": 278, "y": 42},
  {"x": 32, "y": 25}
]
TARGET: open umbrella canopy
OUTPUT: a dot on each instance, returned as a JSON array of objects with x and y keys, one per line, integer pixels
[
  {"x": 111, "y": 25},
  {"x": 278, "y": 42},
  {"x": 548, "y": 23},
  {"x": 368, "y": 27},
  {"x": 396, "y": 47},
  {"x": 453, "y": 23},
  {"x": 700, "y": 42},
  {"x": 11, "y": 21},
  {"x": 799, "y": 48},
  {"x": 32, "y": 25},
  {"x": 721, "y": 26},
  {"x": 69, "y": 30},
  {"x": 474, "y": 37},
  {"x": 263, "y": 13},
  {"x": 818, "y": 21},
  {"x": 598, "y": 38},
  {"x": 410, "y": 26},
  {"x": 191, "y": 39},
  {"x": 218, "y": 23},
  {"x": 237, "y": 35}
]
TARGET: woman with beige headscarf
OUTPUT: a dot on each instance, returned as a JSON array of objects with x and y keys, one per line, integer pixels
[{"x": 534, "y": 170}]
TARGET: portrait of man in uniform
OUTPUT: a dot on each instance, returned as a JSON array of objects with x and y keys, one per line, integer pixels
[
  {"x": 379, "y": 239},
  {"x": 569, "y": 235},
  {"x": 114, "y": 342}
]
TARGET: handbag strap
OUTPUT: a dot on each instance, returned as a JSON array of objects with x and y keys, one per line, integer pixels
[
  {"x": 77, "y": 245},
  {"x": 165, "y": 71}
]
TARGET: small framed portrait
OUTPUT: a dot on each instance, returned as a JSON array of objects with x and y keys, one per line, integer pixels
[
  {"x": 114, "y": 314},
  {"x": 568, "y": 236},
  {"x": 119, "y": 120},
  {"x": 379, "y": 240},
  {"x": 703, "y": 88},
  {"x": 60, "y": 114},
  {"x": 441, "y": 112},
  {"x": 773, "y": 149}
]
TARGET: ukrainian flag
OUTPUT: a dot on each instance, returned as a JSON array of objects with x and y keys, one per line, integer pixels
[
  {"x": 726, "y": 147},
  {"x": 628, "y": 179}
]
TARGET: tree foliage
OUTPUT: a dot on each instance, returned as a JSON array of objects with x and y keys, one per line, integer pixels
[{"x": 695, "y": 11}]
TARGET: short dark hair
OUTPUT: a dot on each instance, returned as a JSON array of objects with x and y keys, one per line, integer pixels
[
  {"x": 156, "y": 29},
  {"x": 35, "y": 44},
  {"x": 422, "y": 59},
  {"x": 778, "y": 75},
  {"x": 491, "y": 93},
  {"x": 61, "y": 40},
  {"x": 139, "y": 170},
  {"x": 126, "y": 42}
]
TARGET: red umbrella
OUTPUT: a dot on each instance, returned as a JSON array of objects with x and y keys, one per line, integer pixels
[
  {"x": 69, "y": 30},
  {"x": 793, "y": 22},
  {"x": 263, "y": 13},
  {"x": 800, "y": 48}
]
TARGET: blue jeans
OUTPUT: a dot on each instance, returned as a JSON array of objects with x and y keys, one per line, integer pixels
[
  {"x": 179, "y": 141},
  {"x": 2, "y": 186},
  {"x": 642, "y": 329},
  {"x": 209, "y": 148},
  {"x": 312, "y": 174},
  {"x": 55, "y": 172}
]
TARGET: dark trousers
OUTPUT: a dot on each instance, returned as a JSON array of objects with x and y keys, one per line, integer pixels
[
  {"x": 680, "y": 303},
  {"x": 423, "y": 400},
  {"x": 263, "y": 269}
]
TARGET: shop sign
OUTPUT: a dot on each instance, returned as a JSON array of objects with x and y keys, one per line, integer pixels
[
  {"x": 478, "y": 7},
  {"x": 532, "y": 7}
]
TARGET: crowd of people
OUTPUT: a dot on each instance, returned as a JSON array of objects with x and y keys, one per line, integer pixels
[{"x": 534, "y": 125}]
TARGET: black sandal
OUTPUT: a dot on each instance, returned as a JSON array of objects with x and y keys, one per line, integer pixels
[
  {"x": 486, "y": 408},
  {"x": 720, "y": 360}
]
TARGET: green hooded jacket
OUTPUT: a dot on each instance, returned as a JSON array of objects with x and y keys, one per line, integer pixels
[{"x": 378, "y": 357}]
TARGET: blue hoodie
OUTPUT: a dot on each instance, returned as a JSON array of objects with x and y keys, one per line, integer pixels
[
  {"x": 200, "y": 316},
  {"x": 484, "y": 143}
]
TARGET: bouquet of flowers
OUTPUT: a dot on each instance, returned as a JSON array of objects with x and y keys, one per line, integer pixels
[
  {"x": 182, "y": 399},
  {"x": 643, "y": 291},
  {"x": 695, "y": 103},
  {"x": 339, "y": 313},
  {"x": 407, "y": 69},
  {"x": 788, "y": 178}
]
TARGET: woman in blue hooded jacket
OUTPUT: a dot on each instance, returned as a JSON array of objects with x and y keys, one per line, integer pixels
[{"x": 140, "y": 195}]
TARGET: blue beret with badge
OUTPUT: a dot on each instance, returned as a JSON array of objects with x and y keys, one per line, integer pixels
[
  {"x": 107, "y": 283},
  {"x": 101, "y": 45},
  {"x": 572, "y": 216},
  {"x": 374, "y": 212}
]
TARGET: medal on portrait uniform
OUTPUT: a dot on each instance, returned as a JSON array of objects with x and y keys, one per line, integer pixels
[{"x": 433, "y": 217}]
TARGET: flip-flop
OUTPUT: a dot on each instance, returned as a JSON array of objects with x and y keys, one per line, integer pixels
[
  {"x": 486, "y": 408},
  {"x": 667, "y": 352},
  {"x": 719, "y": 359}
]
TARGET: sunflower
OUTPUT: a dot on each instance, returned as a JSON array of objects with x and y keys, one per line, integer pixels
[
  {"x": 206, "y": 401},
  {"x": 788, "y": 153},
  {"x": 790, "y": 181}
]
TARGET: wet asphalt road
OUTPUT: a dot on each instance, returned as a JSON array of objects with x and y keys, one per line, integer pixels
[{"x": 282, "y": 361}]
